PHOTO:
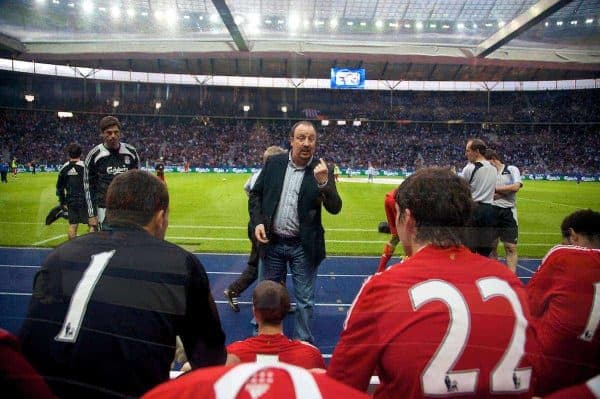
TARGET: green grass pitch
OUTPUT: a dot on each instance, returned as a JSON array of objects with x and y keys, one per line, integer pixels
[{"x": 209, "y": 213}]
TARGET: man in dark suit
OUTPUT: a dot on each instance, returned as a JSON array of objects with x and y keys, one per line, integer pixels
[{"x": 285, "y": 212}]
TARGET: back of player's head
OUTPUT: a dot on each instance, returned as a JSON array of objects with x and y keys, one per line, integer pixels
[
  {"x": 271, "y": 302},
  {"x": 134, "y": 197},
  {"x": 74, "y": 150},
  {"x": 585, "y": 222},
  {"x": 301, "y": 123},
  {"x": 440, "y": 203},
  {"x": 492, "y": 155},
  {"x": 477, "y": 145},
  {"x": 109, "y": 121},
  {"x": 272, "y": 150}
]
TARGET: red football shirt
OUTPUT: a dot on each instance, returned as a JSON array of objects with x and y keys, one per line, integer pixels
[
  {"x": 390, "y": 210},
  {"x": 254, "y": 381},
  {"x": 564, "y": 297},
  {"x": 445, "y": 323},
  {"x": 290, "y": 351},
  {"x": 589, "y": 390}
]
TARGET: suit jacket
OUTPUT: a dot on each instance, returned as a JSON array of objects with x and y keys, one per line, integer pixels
[{"x": 265, "y": 195}]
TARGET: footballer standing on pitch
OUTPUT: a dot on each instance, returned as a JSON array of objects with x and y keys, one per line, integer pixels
[{"x": 102, "y": 164}]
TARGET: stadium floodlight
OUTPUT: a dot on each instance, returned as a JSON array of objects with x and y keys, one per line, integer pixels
[
  {"x": 56, "y": 1},
  {"x": 379, "y": 24},
  {"x": 131, "y": 12},
  {"x": 238, "y": 19},
  {"x": 214, "y": 18},
  {"x": 268, "y": 22},
  {"x": 41, "y": 2},
  {"x": 115, "y": 12},
  {"x": 446, "y": 26},
  {"x": 144, "y": 13},
  {"x": 341, "y": 123},
  {"x": 284, "y": 109},
  {"x": 407, "y": 26},
  {"x": 158, "y": 15},
  {"x": 488, "y": 25},
  {"x": 280, "y": 22},
  {"x": 356, "y": 123},
  {"x": 433, "y": 26},
  {"x": 88, "y": 6},
  {"x": 246, "y": 108},
  {"x": 201, "y": 17},
  {"x": 333, "y": 23},
  {"x": 350, "y": 23},
  {"x": 186, "y": 17},
  {"x": 501, "y": 24},
  {"x": 419, "y": 25},
  {"x": 116, "y": 103},
  {"x": 306, "y": 23},
  {"x": 325, "y": 122},
  {"x": 157, "y": 105},
  {"x": 474, "y": 26},
  {"x": 559, "y": 23},
  {"x": 72, "y": 5},
  {"x": 363, "y": 23},
  {"x": 589, "y": 20},
  {"x": 319, "y": 23},
  {"x": 171, "y": 15},
  {"x": 102, "y": 9},
  {"x": 62, "y": 114},
  {"x": 293, "y": 22},
  {"x": 574, "y": 22},
  {"x": 29, "y": 98},
  {"x": 460, "y": 25},
  {"x": 393, "y": 24}
]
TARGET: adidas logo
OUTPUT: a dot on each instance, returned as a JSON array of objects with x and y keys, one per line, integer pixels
[{"x": 72, "y": 172}]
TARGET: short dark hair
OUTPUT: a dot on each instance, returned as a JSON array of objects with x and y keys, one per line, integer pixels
[
  {"x": 74, "y": 150},
  {"x": 477, "y": 145},
  {"x": 441, "y": 204},
  {"x": 585, "y": 222},
  {"x": 109, "y": 121},
  {"x": 301, "y": 123},
  {"x": 134, "y": 197},
  {"x": 271, "y": 300},
  {"x": 492, "y": 154}
]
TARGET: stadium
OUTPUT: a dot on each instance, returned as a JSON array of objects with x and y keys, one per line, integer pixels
[{"x": 204, "y": 87}]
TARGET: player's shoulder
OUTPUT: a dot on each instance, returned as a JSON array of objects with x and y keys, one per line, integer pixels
[
  {"x": 63, "y": 166},
  {"x": 570, "y": 251}
]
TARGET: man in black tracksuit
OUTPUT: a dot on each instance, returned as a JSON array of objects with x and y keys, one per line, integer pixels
[{"x": 69, "y": 189}]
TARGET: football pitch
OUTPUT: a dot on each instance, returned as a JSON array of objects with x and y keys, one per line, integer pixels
[{"x": 209, "y": 213}]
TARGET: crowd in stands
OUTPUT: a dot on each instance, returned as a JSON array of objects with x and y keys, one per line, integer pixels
[{"x": 227, "y": 142}]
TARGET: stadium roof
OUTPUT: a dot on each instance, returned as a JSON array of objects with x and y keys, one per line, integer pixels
[{"x": 391, "y": 39}]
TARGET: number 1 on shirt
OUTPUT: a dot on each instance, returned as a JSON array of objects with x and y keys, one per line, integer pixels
[{"x": 81, "y": 296}]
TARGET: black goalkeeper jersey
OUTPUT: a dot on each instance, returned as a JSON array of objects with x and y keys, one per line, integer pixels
[
  {"x": 69, "y": 186},
  {"x": 106, "y": 308},
  {"x": 101, "y": 166}
]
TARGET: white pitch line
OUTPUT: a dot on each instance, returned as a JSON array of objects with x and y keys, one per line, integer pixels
[
  {"x": 49, "y": 239},
  {"x": 549, "y": 202},
  {"x": 16, "y": 293},
  {"x": 21, "y": 266}
]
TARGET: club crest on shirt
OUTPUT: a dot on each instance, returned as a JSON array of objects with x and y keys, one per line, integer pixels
[
  {"x": 127, "y": 161},
  {"x": 259, "y": 384}
]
